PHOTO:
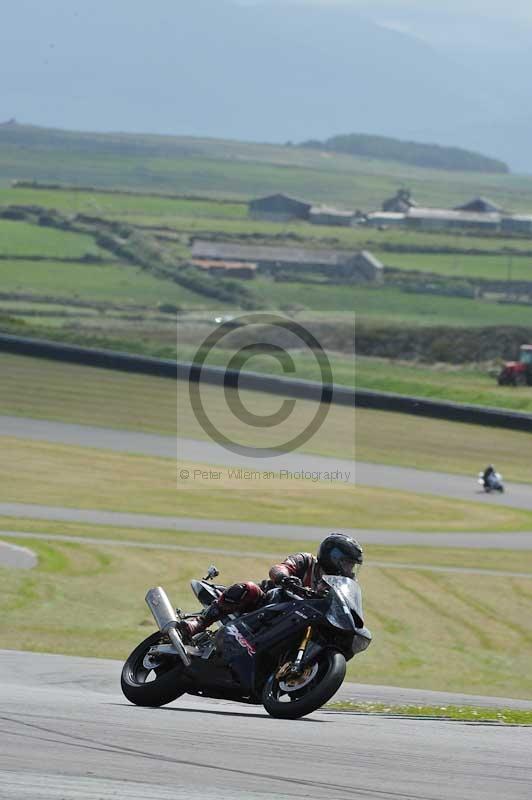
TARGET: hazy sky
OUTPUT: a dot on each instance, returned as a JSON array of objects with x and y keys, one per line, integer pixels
[
  {"x": 519, "y": 9},
  {"x": 459, "y": 22},
  {"x": 482, "y": 24},
  {"x": 453, "y": 71}
]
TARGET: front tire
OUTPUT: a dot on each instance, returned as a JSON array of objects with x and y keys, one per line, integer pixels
[
  {"x": 155, "y": 687},
  {"x": 286, "y": 703}
]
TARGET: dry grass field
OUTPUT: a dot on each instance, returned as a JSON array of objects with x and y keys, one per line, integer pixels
[
  {"x": 70, "y": 393},
  {"x": 77, "y": 477}
]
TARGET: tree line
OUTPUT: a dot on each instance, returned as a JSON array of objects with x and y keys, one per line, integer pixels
[{"x": 415, "y": 153}]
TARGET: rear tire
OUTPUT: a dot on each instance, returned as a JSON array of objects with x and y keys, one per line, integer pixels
[
  {"x": 328, "y": 679},
  {"x": 154, "y": 688}
]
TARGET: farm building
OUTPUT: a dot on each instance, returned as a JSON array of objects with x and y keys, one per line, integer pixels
[
  {"x": 337, "y": 265},
  {"x": 480, "y": 205},
  {"x": 321, "y": 215},
  {"x": 384, "y": 218},
  {"x": 517, "y": 223},
  {"x": 279, "y": 208},
  {"x": 401, "y": 202},
  {"x": 226, "y": 269},
  {"x": 443, "y": 218}
]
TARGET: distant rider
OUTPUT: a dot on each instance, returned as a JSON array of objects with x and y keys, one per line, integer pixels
[
  {"x": 338, "y": 554},
  {"x": 488, "y": 475}
]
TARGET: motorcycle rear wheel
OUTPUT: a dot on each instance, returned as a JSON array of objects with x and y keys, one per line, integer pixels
[
  {"x": 156, "y": 687},
  {"x": 284, "y": 704}
]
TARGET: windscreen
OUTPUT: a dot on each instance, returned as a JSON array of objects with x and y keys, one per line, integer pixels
[{"x": 345, "y": 602}]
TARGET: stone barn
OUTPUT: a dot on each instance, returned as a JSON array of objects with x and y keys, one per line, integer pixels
[
  {"x": 517, "y": 223},
  {"x": 450, "y": 219},
  {"x": 226, "y": 269},
  {"x": 337, "y": 266},
  {"x": 480, "y": 205},
  {"x": 279, "y": 208},
  {"x": 401, "y": 202},
  {"x": 321, "y": 215}
]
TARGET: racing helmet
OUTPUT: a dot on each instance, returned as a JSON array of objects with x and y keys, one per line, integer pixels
[{"x": 339, "y": 554}]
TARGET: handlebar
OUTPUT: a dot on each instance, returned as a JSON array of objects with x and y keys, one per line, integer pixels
[{"x": 300, "y": 593}]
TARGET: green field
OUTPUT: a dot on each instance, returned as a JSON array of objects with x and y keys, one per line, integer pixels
[
  {"x": 466, "y": 385},
  {"x": 185, "y": 165},
  {"x": 110, "y": 281},
  {"x": 121, "y": 300},
  {"x": 127, "y": 206},
  {"x": 499, "y": 268},
  {"x": 387, "y": 305},
  {"x": 122, "y": 284},
  {"x": 24, "y": 239}
]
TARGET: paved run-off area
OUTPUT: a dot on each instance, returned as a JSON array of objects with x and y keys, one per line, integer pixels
[{"x": 67, "y": 732}]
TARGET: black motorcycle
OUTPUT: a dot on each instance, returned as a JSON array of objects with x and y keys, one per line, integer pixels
[{"x": 290, "y": 654}]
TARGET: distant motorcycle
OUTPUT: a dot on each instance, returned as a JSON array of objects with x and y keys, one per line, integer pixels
[
  {"x": 493, "y": 483},
  {"x": 289, "y": 655}
]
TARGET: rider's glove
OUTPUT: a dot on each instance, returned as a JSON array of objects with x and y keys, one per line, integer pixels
[{"x": 291, "y": 582}]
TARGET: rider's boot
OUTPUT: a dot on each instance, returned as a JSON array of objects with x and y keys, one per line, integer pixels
[{"x": 194, "y": 625}]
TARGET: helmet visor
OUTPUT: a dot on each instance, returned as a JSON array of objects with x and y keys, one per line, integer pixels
[
  {"x": 344, "y": 564},
  {"x": 348, "y": 567}
]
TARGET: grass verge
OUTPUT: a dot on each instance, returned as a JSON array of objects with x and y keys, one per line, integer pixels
[
  {"x": 80, "y": 477},
  {"x": 453, "y": 632},
  {"x": 502, "y": 716},
  {"x": 376, "y": 556}
]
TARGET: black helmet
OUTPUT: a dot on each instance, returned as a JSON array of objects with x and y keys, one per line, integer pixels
[{"x": 339, "y": 554}]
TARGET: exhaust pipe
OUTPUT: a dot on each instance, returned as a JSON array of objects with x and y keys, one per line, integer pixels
[{"x": 166, "y": 619}]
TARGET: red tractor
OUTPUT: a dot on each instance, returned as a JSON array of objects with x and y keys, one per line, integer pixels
[{"x": 518, "y": 373}]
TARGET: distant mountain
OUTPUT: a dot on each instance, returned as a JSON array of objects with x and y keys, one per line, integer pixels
[
  {"x": 416, "y": 153},
  {"x": 262, "y": 73}
]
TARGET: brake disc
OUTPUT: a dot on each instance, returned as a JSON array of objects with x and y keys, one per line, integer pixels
[
  {"x": 296, "y": 682},
  {"x": 151, "y": 660}
]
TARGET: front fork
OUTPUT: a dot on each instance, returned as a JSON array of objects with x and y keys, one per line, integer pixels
[{"x": 294, "y": 667}]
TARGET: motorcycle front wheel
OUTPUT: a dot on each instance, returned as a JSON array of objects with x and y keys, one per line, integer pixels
[
  {"x": 153, "y": 687},
  {"x": 318, "y": 683}
]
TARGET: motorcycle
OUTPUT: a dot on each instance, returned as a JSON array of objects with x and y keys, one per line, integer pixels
[
  {"x": 289, "y": 655},
  {"x": 493, "y": 483}
]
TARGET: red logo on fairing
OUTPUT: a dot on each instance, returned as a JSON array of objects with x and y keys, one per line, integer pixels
[{"x": 232, "y": 630}]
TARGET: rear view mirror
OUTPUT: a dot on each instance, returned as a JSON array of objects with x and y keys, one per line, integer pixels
[{"x": 212, "y": 572}]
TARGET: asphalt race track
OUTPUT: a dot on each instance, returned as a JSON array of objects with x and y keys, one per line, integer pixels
[
  {"x": 15, "y": 557},
  {"x": 497, "y": 541},
  {"x": 195, "y": 451},
  {"x": 67, "y": 733}
]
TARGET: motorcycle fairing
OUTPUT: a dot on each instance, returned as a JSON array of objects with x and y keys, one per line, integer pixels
[
  {"x": 263, "y": 631},
  {"x": 345, "y": 602},
  {"x": 205, "y": 592}
]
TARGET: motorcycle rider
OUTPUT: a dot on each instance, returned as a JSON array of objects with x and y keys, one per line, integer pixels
[
  {"x": 338, "y": 554},
  {"x": 488, "y": 474}
]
